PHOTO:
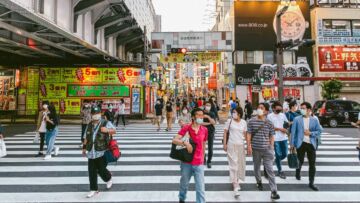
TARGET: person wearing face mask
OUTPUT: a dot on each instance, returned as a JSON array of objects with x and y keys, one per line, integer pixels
[
  {"x": 305, "y": 132},
  {"x": 109, "y": 113},
  {"x": 158, "y": 112},
  {"x": 121, "y": 113},
  {"x": 98, "y": 134},
  {"x": 198, "y": 134},
  {"x": 52, "y": 122},
  {"x": 41, "y": 126},
  {"x": 235, "y": 149},
  {"x": 260, "y": 144},
  {"x": 209, "y": 122},
  {"x": 184, "y": 117},
  {"x": 281, "y": 140},
  {"x": 85, "y": 115},
  {"x": 169, "y": 115},
  {"x": 292, "y": 114}
]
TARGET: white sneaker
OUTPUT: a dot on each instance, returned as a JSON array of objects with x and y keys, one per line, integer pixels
[
  {"x": 92, "y": 194},
  {"x": 47, "y": 157},
  {"x": 109, "y": 184},
  {"x": 237, "y": 192},
  {"x": 81, "y": 146},
  {"x": 57, "y": 149}
]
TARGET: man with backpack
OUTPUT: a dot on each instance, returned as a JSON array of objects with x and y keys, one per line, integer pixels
[{"x": 97, "y": 137}]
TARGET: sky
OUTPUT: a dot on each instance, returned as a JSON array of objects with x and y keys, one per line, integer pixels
[{"x": 184, "y": 15}]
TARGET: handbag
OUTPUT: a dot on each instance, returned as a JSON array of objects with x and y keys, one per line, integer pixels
[
  {"x": 293, "y": 160},
  {"x": 36, "y": 138},
  {"x": 181, "y": 153},
  {"x": 227, "y": 134},
  {"x": 2, "y": 148}
]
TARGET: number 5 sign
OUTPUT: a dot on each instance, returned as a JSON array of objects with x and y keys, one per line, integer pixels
[{"x": 136, "y": 100}]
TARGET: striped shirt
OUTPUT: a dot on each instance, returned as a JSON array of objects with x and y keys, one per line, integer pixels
[{"x": 260, "y": 139}]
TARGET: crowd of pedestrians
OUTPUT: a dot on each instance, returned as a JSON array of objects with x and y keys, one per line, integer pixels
[{"x": 264, "y": 134}]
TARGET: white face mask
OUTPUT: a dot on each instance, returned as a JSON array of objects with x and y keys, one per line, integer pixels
[
  {"x": 208, "y": 108},
  {"x": 185, "y": 111},
  {"x": 260, "y": 112},
  {"x": 235, "y": 116},
  {"x": 45, "y": 106},
  {"x": 96, "y": 117}
]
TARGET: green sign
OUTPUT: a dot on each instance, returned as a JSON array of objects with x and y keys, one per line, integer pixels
[{"x": 98, "y": 91}]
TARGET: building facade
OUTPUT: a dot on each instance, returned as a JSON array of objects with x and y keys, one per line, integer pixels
[{"x": 336, "y": 28}]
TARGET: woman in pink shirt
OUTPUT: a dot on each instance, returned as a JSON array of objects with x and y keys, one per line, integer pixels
[{"x": 195, "y": 168}]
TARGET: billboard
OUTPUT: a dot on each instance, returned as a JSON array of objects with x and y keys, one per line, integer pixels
[
  {"x": 339, "y": 59},
  {"x": 254, "y": 31}
]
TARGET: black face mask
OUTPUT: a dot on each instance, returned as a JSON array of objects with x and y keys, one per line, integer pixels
[{"x": 278, "y": 110}]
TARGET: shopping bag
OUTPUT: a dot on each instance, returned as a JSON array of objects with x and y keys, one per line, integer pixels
[
  {"x": 292, "y": 159},
  {"x": 2, "y": 148},
  {"x": 36, "y": 138}
]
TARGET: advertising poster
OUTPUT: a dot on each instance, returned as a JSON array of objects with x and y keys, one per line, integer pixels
[
  {"x": 82, "y": 75},
  {"x": 50, "y": 74},
  {"x": 98, "y": 91},
  {"x": 339, "y": 59},
  {"x": 116, "y": 104},
  {"x": 53, "y": 90},
  {"x": 136, "y": 100},
  {"x": 128, "y": 76},
  {"x": 70, "y": 106}
]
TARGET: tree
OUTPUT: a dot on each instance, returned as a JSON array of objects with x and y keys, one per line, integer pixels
[{"x": 331, "y": 89}]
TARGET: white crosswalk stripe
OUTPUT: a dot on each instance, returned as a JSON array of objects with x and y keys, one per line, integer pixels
[{"x": 145, "y": 173}]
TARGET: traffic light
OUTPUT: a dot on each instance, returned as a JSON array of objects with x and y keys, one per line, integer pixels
[{"x": 178, "y": 50}]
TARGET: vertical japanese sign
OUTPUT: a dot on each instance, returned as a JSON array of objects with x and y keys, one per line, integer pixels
[{"x": 136, "y": 100}]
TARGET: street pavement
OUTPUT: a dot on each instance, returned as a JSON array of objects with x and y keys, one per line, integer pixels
[{"x": 145, "y": 173}]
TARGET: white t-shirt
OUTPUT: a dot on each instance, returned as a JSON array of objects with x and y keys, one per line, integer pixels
[
  {"x": 230, "y": 102},
  {"x": 121, "y": 110},
  {"x": 237, "y": 129},
  {"x": 306, "y": 127},
  {"x": 278, "y": 122},
  {"x": 42, "y": 128}
]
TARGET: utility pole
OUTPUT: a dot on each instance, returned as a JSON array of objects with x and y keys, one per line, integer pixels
[
  {"x": 279, "y": 54},
  {"x": 146, "y": 69}
]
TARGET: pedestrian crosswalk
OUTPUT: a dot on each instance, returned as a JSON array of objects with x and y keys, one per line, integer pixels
[{"x": 145, "y": 173}]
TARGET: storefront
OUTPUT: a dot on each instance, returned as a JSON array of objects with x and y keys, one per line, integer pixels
[
  {"x": 8, "y": 82},
  {"x": 67, "y": 88}
]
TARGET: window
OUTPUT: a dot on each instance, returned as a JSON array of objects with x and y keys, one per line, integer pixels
[
  {"x": 258, "y": 57},
  {"x": 250, "y": 57},
  {"x": 356, "y": 28},
  {"x": 340, "y": 24},
  {"x": 238, "y": 57},
  {"x": 355, "y": 106},
  {"x": 75, "y": 23},
  {"x": 41, "y": 6},
  {"x": 268, "y": 57},
  {"x": 289, "y": 57}
]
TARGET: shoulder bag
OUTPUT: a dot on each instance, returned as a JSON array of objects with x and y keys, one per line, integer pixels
[
  {"x": 180, "y": 153},
  {"x": 227, "y": 134}
]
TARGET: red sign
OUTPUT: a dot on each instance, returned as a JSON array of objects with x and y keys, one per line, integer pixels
[
  {"x": 269, "y": 93},
  {"x": 212, "y": 84},
  {"x": 339, "y": 59}
]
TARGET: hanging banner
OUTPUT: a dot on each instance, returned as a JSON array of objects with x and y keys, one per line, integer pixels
[
  {"x": 205, "y": 57},
  {"x": 98, "y": 91},
  {"x": 135, "y": 100},
  {"x": 339, "y": 59}
]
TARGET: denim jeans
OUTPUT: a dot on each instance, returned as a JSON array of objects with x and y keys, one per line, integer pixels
[
  {"x": 50, "y": 137},
  {"x": 187, "y": 171},
  {"x": 281, "y": 151}
]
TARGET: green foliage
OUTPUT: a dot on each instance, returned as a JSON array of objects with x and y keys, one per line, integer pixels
[{"x": 331, "y": 89}]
